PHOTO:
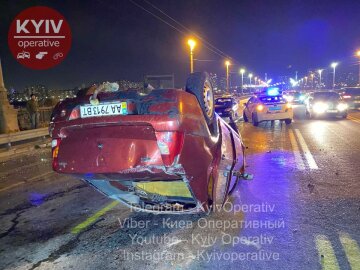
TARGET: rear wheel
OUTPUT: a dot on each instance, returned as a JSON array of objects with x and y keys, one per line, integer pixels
[
  {"x": 288, "y": 121},
  {"x": 199, "y": 84}
]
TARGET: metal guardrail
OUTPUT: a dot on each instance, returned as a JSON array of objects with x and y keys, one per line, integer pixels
[
  {"x": 24, "y": 117},
  {"x": 23, "y": 135}
]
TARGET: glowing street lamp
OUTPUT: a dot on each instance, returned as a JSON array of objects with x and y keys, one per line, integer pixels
[
  {"x": 320, "y": 71},
  {"x": 333, "y": 65},
  {"x": 242, "y": 71},
  {"x": 358, "y": 55},
  {"x": 227, "y": 64},
  {"x": 191, "y": 44},
  {"x": 250, "y": 76}
]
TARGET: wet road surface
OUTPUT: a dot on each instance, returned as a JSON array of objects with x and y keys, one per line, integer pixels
[{"x": 301, "y": 211}]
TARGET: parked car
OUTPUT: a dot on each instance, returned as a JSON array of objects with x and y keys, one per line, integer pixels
[
  {"x": 165, "y": 152},
  {"x": 325, "y": 104},
  {"x": 226, "y": 106},
  {"x": 269, "y": 105},
  {"x": 351, "y": 96}
]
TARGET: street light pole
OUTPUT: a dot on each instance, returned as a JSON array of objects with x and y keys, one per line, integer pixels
[
  {"x": 320, "y": 71},
  {"x": 333, "y": 65},
  {"x": 250, "y": 76},
  {"x": 242, "y": 71},
  {"x": 227, "y": 63},
  {"x": 358, "y": 55},
  {"x": 191, "y": 44}
]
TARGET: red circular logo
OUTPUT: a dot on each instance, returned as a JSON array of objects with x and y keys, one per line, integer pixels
[{"x": 39, "y": 37}]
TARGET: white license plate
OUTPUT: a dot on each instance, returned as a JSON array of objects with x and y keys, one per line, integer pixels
[
  {"x": 106, "y": 109},
  {"x": 332, "y": 111}
]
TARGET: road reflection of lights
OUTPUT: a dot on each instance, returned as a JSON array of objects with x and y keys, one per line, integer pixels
[
  {"x": 37, "y": 198},
  {"x": 318, "y": 129}
]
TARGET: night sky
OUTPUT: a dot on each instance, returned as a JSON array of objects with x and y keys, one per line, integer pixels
[{"x": 115, "y": 40}]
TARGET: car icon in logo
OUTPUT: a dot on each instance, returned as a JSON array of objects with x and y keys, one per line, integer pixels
[{"x": 23, "y": 55}]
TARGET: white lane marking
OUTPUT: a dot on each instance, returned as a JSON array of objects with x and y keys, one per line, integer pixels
[
  {"x": 327, "y": 256},
  {"x": 309, "y": 157},
  {"x": 298, "y": 158},
  {"x": 351, "y": 249}
]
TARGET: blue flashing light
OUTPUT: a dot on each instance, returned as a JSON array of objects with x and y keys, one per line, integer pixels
[{"x": 273, "y": 91}]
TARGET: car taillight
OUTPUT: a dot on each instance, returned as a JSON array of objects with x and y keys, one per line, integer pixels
[
  {"x": 170, "y": 145},
  {"x": 75, "y": 114},
  {"x": 347, "y": 96},
  {"x": 55, "y": 143}
]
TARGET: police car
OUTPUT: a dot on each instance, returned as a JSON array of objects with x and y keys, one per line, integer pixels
[{"x": 268, "y": 105}]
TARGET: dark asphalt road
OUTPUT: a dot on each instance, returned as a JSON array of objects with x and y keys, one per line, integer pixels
[{"x": 301, "y": 211}]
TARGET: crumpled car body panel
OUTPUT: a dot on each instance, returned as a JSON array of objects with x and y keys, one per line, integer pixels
[{"x": 160, "y": 157}]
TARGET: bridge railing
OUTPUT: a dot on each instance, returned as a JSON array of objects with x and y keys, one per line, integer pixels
[
  {"x": 10, "y": 138},
  {"x": 24, "y": 117}
]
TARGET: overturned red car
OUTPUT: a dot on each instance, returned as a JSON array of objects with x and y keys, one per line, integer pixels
[{"x": 166, "y": 151}]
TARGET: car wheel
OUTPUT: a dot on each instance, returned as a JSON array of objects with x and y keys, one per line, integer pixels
[
  {"x": 288, "y": 121},
  {"x": 199, "y": 84},
  {"x": 255, "y": 120},
  {"x": 245, "y": 117},
  {"x": 344, "y": 116}
]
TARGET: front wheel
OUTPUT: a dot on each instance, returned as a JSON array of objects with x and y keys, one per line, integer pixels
[
  {"x": 288, "y": 121},
  {"x": 344, "y": 116}
]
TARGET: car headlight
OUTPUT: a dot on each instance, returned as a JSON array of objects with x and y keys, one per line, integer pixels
[
  {"x": 259, "y": 107},
  {"x": 320, "y": 107},
  {"x": 289, "y": 98},
  {"x": 342, "y": 106}
]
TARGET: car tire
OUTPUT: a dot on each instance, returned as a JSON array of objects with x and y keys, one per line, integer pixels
[
  {"x": 199, "y": 84},
  {"x": 255, "y": 120},
  {"x": 245, "y": 117},
  {"x": 288, "y": 121},
  {"x": 344, "y": 116}
]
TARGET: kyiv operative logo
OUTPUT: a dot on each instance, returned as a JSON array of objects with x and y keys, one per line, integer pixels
[{"x": 39, "y": 37}]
